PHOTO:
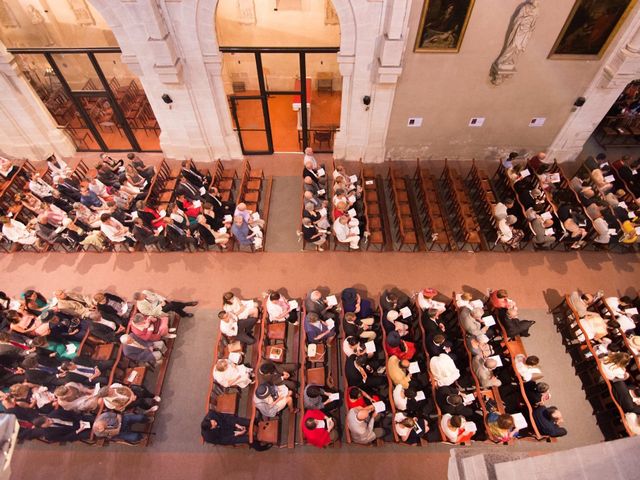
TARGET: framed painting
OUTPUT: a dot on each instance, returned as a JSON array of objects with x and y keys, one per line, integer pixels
[
  {"x": 589, "y": 29},
  {"x": 442, "y": 25}
]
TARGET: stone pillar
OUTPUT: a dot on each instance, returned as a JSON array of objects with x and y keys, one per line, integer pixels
[
  {"x": 345, "y": 63},
  {"x": 619, "y": 69},
  {"x": 29, "y": 131}
]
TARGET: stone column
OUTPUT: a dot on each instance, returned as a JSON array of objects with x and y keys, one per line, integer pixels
[
  {"x": 345, "y": 63},
  {"x": 29, "y": 131}
]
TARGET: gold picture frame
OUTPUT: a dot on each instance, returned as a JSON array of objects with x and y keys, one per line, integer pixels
[
  {"x": 576, "y": 42},
  {"x": 443, "y": 24}
]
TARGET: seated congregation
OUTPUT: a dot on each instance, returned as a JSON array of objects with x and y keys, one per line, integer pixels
[
  {"x": 88, "y": 368},
  {"x": 602, "y": 335},
  {"x": 128, "y": 206},
  {"x": 412, "y": 370}
]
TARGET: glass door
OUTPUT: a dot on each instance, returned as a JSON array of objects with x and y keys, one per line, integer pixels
[
  {"x": 93, "y": 97},
  {"x": 251, "y": 122}
]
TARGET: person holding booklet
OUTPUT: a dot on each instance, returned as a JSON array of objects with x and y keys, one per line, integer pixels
[
  {"x": 318, "y": 330},
  {"x": 318, "y": 428},
  {"x": 318, "y": 397},
  {"x": 361, "y": 423},
  {"x": 410, "y": 429},
  {"x": 456, "y": 428},
  {"x": 279, "y": 309}
]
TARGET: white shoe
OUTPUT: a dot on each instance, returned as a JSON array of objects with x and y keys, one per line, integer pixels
[
  {"x": 170, "y": 335},
  {"x": 320, "y": 249},
  {"x": 157, "y": 398},
  {"x": 152, "y": 409},
  {"x": 172, "y": 330}
]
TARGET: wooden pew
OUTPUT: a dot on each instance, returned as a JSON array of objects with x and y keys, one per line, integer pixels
[
  {"x": 403, "y": 212},
  {"x": 465, "y": 225},
  {"x": 435, "y": 226}
]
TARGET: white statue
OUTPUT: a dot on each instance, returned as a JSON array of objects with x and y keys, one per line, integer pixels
[{"x": 522, "y": 26}]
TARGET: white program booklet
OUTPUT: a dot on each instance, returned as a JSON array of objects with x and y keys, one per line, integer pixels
[
  {"x": 609, "y": 178},
  {"x": 488, "y": 321},
  {"x": 255, "y": 216},
  {"x": 330, "y": 323},
  {"x": 332, "y": 301},
  {"x": 352, "y": 199},
  {"x": 352, "y": 212},
  {"x": 353, "y": 178},
  {"x": 405, "y": 312},
  {"x": 321, "y": 192},
  {"x": 321, "y": 172},
  {"x": 323, "y": 212},
  {"x": 379, "y": 406},
  {"x": 235, "y": 357},
  {"x": 469, "y": 427},
  {"x": 369, "y": 182},
  {"x": 548, "y": 231},
  {"x": 202, "y": 190},
  {"x": 468, "y": 398},
  {"x": 334, "y": 396},
  {"x": 370, "y": 347},
  {"x": 293, "y": 304},
  {"x": 312, "y": 350},
  {"x": 476, "y": 304},
  {"x": 414, "y": 367},
  {"x": 420, "y": 396},
  {"x": 519, "y": 421},
  {"x": 546, "y": 215},
  {"x": 525, "y": 173},
  {"x": 228, "y": 218},
  {"x": 631, "y": 311}
]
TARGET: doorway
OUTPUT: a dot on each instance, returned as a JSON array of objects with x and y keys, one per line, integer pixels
[
  {"x": 272, "y": 109},
  {"x": 92, "y": 96}
]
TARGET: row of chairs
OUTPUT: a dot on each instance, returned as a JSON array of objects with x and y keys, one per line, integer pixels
[
  {"x": 403, "y": 214},
  {"x": 436, "y": 228},
  {"x": 585, "y": 358},
  {"x": 465, "y": 226},
  {"x": 373, "y": 208}
]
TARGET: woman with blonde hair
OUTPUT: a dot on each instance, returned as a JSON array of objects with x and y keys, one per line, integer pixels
[
  {"x": 228, "y": 374},
  {"x": 614, "y": 365},
  {"x": 76, "y": 397}
]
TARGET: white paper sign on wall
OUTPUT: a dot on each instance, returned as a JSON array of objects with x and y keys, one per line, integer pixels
[
  {"x": 414, "y": 122},
  {"x": 476, "y": 122},
  {"x": 537, "y": 121}
]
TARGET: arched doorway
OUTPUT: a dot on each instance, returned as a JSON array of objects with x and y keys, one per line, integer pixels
[
  {"x": 266, "y": 54},
  {"x": 70, "y": 58}
]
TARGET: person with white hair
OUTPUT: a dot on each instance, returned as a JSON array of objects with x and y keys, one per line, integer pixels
[
  {"x": 227, "y": 374},
  {"x": 318, "y": 217},
  {"x": 346, "y": 230},
  {"x": 539, "y": 226},
  {"x": 318, "y": 176},
  {"x": 308, "y": 157},
  {"x": 312, "y": 234},
  {"x": 483, "y": 369},
  {"x": 471, "y": 322},
  {"x": 508, "y": 234}
]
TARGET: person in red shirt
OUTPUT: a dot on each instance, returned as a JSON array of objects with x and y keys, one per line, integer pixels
[
  {"x": 191, "y": 209},
  {"x": 400, "y": 348},
  {"x": 318, "y": 429},
  {"x": 359, "y": 398},
  {"x": 499, "y": 299}
]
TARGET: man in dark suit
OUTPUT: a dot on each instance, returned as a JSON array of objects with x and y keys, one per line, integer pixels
[
  {"x": 224, "y": 429},
  {"x": 438, "y": 344},
  {"x": 450, "y": 401},
  {"x": 69, "y": 188},
  {"x": 547, "y": 420},
  {"x": 315, "y": 303},
  {"x": 188, "y": 190},
  {"x": 63, "y": 426},
  {"x": 622, "y": 395},
  {"x": 393, "y": 300},
  {"x": 433, "y": 324},
  {"x": 147, "y": 236},
  {"x": 220, "y": 207}
]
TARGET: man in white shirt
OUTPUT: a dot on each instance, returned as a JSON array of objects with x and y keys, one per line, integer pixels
[
  {"x": 426, "y": 300},
  {"x": 17, "y": 232},
  {"x": 345, "y": 233},
  {"x": 528, "y": 367},
  {"x": 40, "y": 188},
  {"x": 152, "y": 304},
  {"x": 443, "y": 370},
  {"x": 308, "y": 157},
  {"x": 237, "y": 329}
]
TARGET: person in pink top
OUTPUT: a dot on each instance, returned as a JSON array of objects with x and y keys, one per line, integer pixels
[{"x": 151, "y": 328}]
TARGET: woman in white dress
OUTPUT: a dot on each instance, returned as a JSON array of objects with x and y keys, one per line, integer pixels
[
  {"x": 115, "y": 231},
  {"x": 243, "y": 309},
  {"x": 17, "y": 232},
  {"x": 228, "y": 374}
]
